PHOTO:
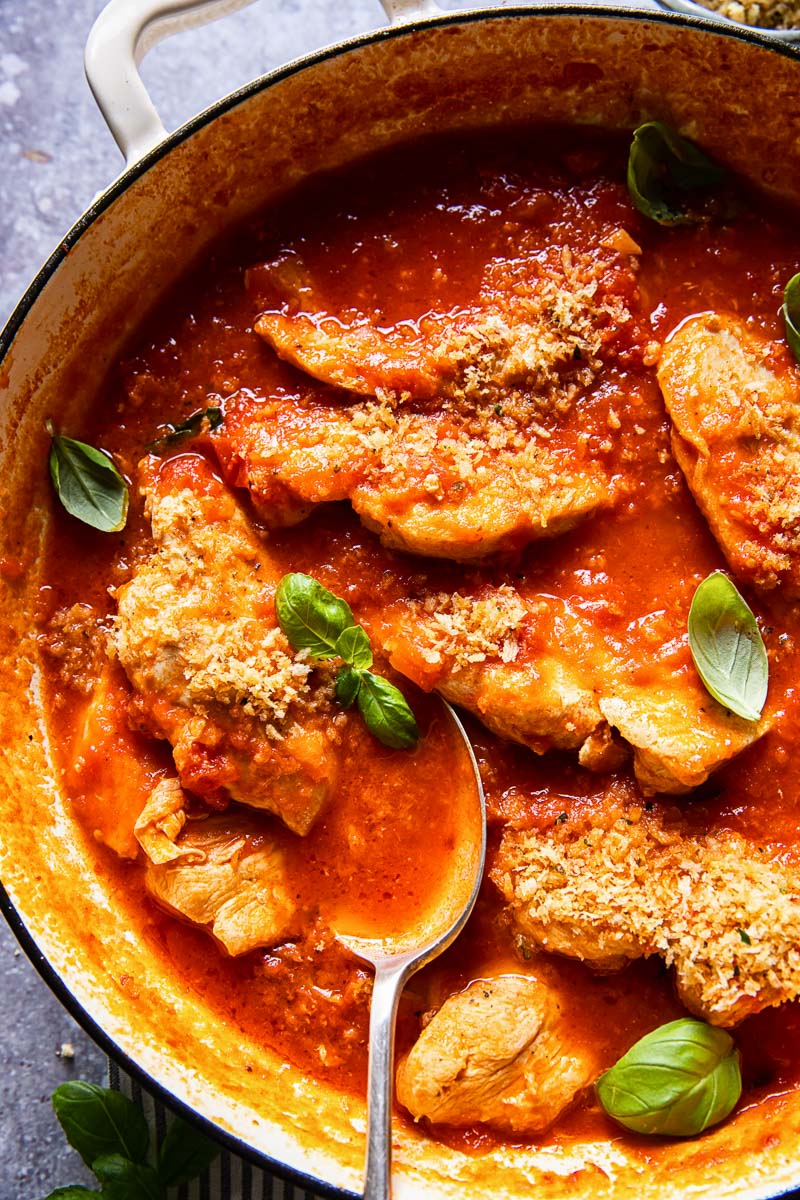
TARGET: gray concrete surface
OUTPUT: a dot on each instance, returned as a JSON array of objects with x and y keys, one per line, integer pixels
[
  {"x": 55, "y": 154},
  {"x": 34, "y": 1157}
]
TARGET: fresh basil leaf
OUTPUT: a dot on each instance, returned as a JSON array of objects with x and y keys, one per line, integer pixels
[
  {"x": 386, "y": 712},
  {"x": 354, "y": 648},
  {"x": 669, "y": 179},
  {"x": 311, "y": 617},
  {"x": 185, "y": 1153},
  {"x": 126, "y": 1180},
  {"x": 314, "y": 619},
  {"x": 791, "y": 314},
  {"x": 88, "y": 484},
  {"x": 346, "y": 687},
  {"x": 98, "y": 1121},
  {"x": 71, "y": 1193},
  {"x": 677, "y": 1080},
  {"x": 727, "y": 647},
  {"x": 200, "y": 422}
]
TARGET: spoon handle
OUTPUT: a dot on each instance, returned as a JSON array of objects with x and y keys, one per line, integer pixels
[{"x": 389, "y": 980}]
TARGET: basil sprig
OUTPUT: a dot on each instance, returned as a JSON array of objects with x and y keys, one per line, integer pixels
[
  {"x": 87, "y": 483},
  {"x": 315, "y": 620},
  {"x": 791, "y": 314},
  {"x": 670, "y": 180},
  {"x": 678, "y": 1080},
  {"x": 727, "y": 647},
  {"x": 112, "y": 1137}
]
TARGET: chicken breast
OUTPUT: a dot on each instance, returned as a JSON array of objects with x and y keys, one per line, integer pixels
[
  {"x": 458, "y": 435},
  {"x": 221, "y": 872},
  {"x": 544, "y": 672},
  {"x": 734, "y": 400},
  {"x": 434, "y": 483},
  {"x": 499, "y": 1053},
  {"x": 544, "y": 312},
  {"x": 246, "y": 716},
  {"x": 161, "y": 822},
  {"x": 620, "y": 884}
]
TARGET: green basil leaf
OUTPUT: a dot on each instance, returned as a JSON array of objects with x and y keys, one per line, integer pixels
[
  {"x": 386, "y": 712},
  {"x": 200, "y": 422},
  {"x": 126, "y": 1180},
  {"x": 88, "y": 484},
  {"x": 791, "y": 314},
  {"x": 677, "y": 1080},
  {"x": 347, "y": 684},
  {"x": 98, "y": 1121},
  {"x": 354, "y": 648},
  {"x": 311, "y": 617},
  {"x": 314, "y": 619},
  {"x": 669, "y": 179},
  {"x": 185, "y": 1153},
  {"x": 727, "y": 647},
  {"x": 71, "y": 1193}
]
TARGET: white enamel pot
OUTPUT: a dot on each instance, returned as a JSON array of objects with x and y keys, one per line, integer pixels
[{"x": 735, "y": 91}]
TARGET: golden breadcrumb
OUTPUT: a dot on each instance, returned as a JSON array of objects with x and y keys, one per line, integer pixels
[
  {"x": 722, "y": 911},
  {"x": 769, "y": 14}
]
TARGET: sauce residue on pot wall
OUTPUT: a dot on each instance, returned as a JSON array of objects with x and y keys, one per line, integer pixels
[{"x": 405, "y": 239}]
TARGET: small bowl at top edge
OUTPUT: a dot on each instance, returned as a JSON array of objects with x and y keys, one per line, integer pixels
[{"x": 692, "y": 9}]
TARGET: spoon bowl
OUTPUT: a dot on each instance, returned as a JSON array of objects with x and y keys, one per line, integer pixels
[{"x": 398, "y": 954}]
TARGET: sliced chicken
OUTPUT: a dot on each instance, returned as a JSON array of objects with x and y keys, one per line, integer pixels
[
  {"x": 499, "y": 1053},
  {"x": 734, "y": 400},
  {"x": 357, "y": 357},
  {"x": 610, "y": 888},
  {"x": 543, "y": 672},
  {"x": 246, "y": 716},
  {"x": 161, "y": 822},
  {"x": 473, "y": 431},
  {"x": 221, "y": 872},
  {"x": 433, "y": 483},
  {"x": 545, "y": 312}
]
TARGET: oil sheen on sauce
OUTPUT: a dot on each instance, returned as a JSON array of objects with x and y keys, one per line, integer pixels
[{"x": 395, "y": 238}]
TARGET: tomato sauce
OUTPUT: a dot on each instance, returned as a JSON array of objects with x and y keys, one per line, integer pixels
[{"x": 396, "y": 238}]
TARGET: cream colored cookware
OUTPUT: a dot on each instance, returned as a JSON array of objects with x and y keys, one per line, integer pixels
[{"x": 734, "y": 90}]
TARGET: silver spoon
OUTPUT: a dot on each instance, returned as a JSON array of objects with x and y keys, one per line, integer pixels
[{"x": 396, "y": 957}]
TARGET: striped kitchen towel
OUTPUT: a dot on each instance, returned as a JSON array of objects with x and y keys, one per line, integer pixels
[{"x": 229, "y": 1177}]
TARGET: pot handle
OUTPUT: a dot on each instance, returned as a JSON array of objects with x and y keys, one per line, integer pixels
[{"x": 127, "y": 29}]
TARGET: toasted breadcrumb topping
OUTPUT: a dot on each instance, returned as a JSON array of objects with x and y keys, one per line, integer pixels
[
  {"x": 464, "y": 630},
  {"x": 508, "y": 377},
  {"x": 187, "y": 621},
  {"x": 769, "y": 14},
  {"x": 723, "y": 913},
  {"x": 461, "y": 451},
  {"x": 549, "y": 318}
]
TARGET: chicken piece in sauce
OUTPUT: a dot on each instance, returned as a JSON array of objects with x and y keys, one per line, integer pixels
[
  {"x": 611, "y": 888},
  {"x": 427, "y": 482},
  {"x": 218, "y": 872},
  {"x": 546, "y": 315},
  {"x": 498, "y": 1053},
  {"x": 458, "y": 434},
  {"x": 541, "y": 672},
  {"x": 246, "y": 716},
  {"x": 734, "y": 400}
]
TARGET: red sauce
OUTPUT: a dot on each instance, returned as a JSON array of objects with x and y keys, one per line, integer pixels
[{"x": 394, "y": 238}]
